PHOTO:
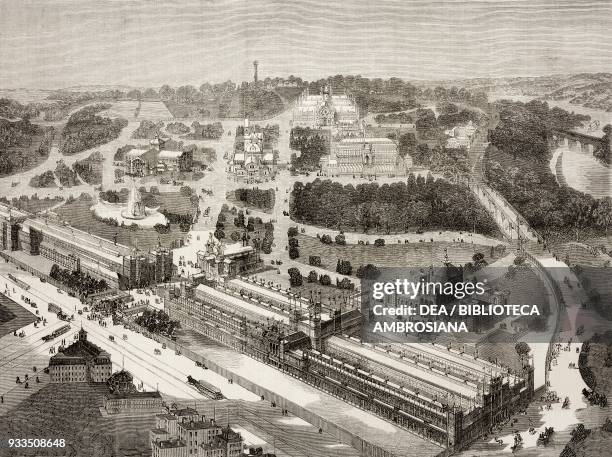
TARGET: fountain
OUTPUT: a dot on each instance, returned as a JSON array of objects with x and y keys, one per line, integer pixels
[
  {"x": 132, "y": 212},
  {"x": 135, "y": 207}
]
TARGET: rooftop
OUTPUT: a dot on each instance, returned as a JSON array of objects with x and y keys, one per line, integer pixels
[
  {"x": 407, "y": 367},
  {"x": 153, "y": 394},
  {"x": 367, "y": 140},
  {"x": 198, "y": 425},
  {"x": 366, "y": 425},
  {"x": 165, "y": 154},
  {"x": 78, "y": 352},
  {"x": 185, "y": 412},
  {"x": 133, "y": 153},
  {"x": 238, "y": 304}
]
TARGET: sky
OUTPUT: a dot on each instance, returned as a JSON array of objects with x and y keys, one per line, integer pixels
[{"x": 49, "y": 44}]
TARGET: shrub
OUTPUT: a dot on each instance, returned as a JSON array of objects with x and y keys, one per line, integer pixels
[
  {"x": 314, "y": 260},
  {"x": 345, "y": 284},
  {"x": 326, "y": 239},
  {"x": 161, "y": 228},
  {"x": 46, "y": 179},
  {"x": 325, "y": 280},
  {"x": 257, "y": 198},
  {"x": 368, "y": 271},
  {"x": 294, "y": 253},
  {"x": 344, "y": 267},
  {"x": 312, "y": 276},
  {"x": 379, "y": 242},
  {"x": 186, "y": 191},
  {"x": 522, "y": 348},
  {"x": 235, "y": 236},
  {"x": 340, "y": 239},
  {"x": 293, "y": 231},
  {"x": 293, "y": 242},
  {"x": 295, "y": 277}
]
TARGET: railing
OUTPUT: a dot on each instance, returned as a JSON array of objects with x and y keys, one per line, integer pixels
[{"x": 558, "y": 296}]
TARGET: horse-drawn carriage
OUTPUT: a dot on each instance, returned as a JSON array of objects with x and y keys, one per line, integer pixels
[{"x": 545, "y": 436}]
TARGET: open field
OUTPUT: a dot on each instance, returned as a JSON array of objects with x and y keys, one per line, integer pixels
[
  {"x": 150, "y": 110},
  {"x": 390, "y": 255},
  {"x": 79, "y": 215}
]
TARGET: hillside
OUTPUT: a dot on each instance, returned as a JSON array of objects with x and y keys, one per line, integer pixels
[{"x": 591, "y": 90}]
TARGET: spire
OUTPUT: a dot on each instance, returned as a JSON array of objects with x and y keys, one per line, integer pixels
[{"x": 82, "y": 334}]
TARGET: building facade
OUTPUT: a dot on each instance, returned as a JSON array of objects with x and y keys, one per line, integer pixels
[
  {"x": 174, "y": 161},
  {"x": 120, "y": 266},
  {"x": 156, "y": 159},
  {"x": 326, "y": 110},
  {"x": 437, "y": 393},
  {"x": 254, "y": 161},
  {"x": 184, "y": 432},
  {"x": 82, "y": 361},
  {"x": 461, "y": 136},
  {"x": 124, "y": 397},
  {"x": 365, "y": 157},
  {"x": 220, "y": 260},
  {"x": 141, "y": 162}
]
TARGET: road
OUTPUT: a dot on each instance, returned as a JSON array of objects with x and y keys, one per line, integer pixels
[{"x": 166, "y": 372}]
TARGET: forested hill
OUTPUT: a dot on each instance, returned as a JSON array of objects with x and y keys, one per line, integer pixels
[
  {"x": 517, "y": 166},
  {"x": 85, "y": 129},
  {"x": 23, "y": 145}
]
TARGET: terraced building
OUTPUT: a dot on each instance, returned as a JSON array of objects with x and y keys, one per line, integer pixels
[
  {"x": 445, "y": 397},
  {"x": 23, "y": 235}
]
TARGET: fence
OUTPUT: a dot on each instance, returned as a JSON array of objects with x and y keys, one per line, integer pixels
[{"x": 558, "y": 297}]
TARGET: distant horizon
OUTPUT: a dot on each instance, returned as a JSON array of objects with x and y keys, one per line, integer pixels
[
  {"x": 54, "y": 44},
  {"x": 196, "y": 85}
]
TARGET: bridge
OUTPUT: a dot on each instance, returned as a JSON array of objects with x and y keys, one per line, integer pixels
[{"x": 576, "y": 141}]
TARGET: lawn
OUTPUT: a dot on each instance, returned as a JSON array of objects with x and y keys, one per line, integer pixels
[
  {"x": 79, "y": 215},
  {"x": 390, "y": 255}
]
